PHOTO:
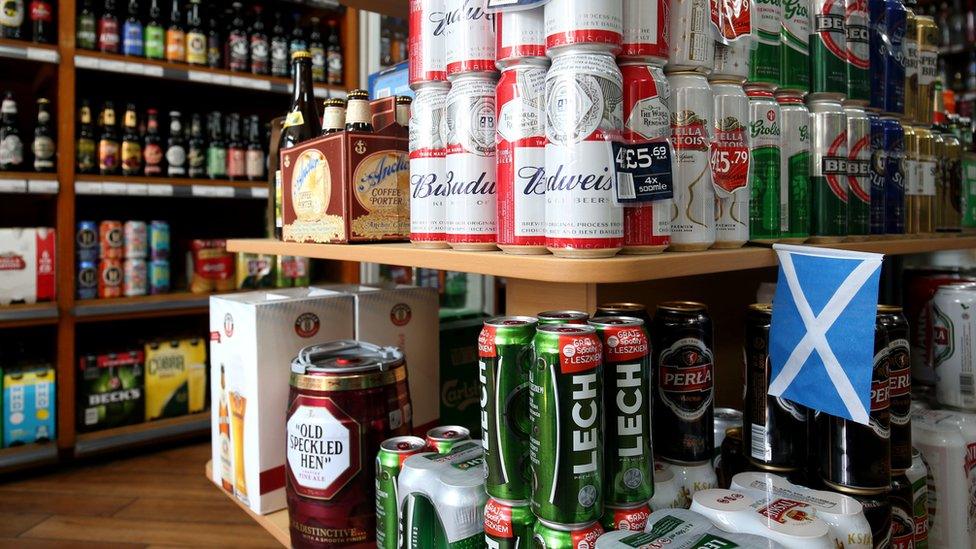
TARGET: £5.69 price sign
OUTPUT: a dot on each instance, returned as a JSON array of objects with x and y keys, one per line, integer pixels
[{"x": 643, "y": 172}]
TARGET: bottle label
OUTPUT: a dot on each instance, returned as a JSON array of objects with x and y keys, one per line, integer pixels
[
  {"x": 213, "y": 51},
  {"x": 8, "y": 106},
  {"x": 294, "y": 118},
  {"x": 153, "y": 155},
  {"x": 197, "y": 161},
  {"x": 335, "y": 67},
  {"x": 318, "y": 64},
  {"x": 279, "y": 57},
  {"x": 175, "y": 45},
  {"x": 108, "y": 35},
  {"x": 86, "y": 36},
  {"x": 40, "y": 11},
  {"x": 176, "y": 160},
  {"x": 235, "y": 162},
  {"x": 86, "y": 155},
  {"x": 255, "y": 164},
  {"x": 11, "y": 151},
  {"x": 216, "y": 161},
  {"x": 155, "y": 43},
  {"x": 43, "y": 149},
  {"x": 237, "y": 44},
  {"x": 108, "y": 155},
  {"x": 12, "y": 14},
  {"x": 259, "y": 54},
  {"x": 132, "y": 42},
  {"x": 196, "y": 48},
  {"x": 131, "y": 156}
]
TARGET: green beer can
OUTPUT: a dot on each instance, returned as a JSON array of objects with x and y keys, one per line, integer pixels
[
  {"x": 508, "y": 524},
  {"x": 630, "y": 517},
  {"x": 968, "y": 195},
  {"x": 828, "y": 171},
  {"x": 858, "y": 52},
  {"x": 828, "y": 50},
  {"x": 562, "y": 317},
  {"x": 566, "y": 407},
  {"x": 549, "y": 535},
  {"x": 765, "y": 58},
  {"x": 858, "y": 172},
  {"x": 795, "y": 49},
  {"x": 764, "y": 148},
  {"x": 504, "y": 360},
  {"x": 794, "y": 189},
  {"x": 389, "y": 460},
  {"x": 442, "y": 439}
]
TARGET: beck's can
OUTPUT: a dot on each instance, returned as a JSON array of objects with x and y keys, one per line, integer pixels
[
  {"x": 389, "y": 460},
  {"x": 469, "y": 38},
  {"x": 902, "y": 511},
  {"x": 583, "y": 22},
  {"x": 520, "y": 157},
  {"x": 111, "y": 239},
  {"x": 896, "y": 353},
  {"x": 443, "y": 438},
  {"x": 732, "y": 61},
  {"x": 551, "y": 535},
  {"x": 134, "y": 276},
  {"x": 508, "y": 524},
  {"x": 828, "y": 171},
  {"x": 645, "y": 30},
  {"x": 927, "y": 36},
  {"x": 858, "y": 53},
  {"x": 953, "y": 355},
  {"x": 625, "y": 517},
  {"x": 765, "y": 61},
  {"x": 910, "y": 51},
  {"x": 828, "y": 50},
  {"x": 519, "y": 35},
  {"x": 765, "y": 149},
  {"x": 562, "y": 317},
  {"x": 794, "y": 190},
  {"x": 918, "y": 475},
  {"x": 879, "y": 216},
  {"x": 894, "y": 59},
  {"x": 86, "y": 241},
  {"x": 693, "y": 210},
  {"x": 858, "y": 172},
  {"x": 690, "y": 37},
  {"x": 428, "y": 20},
  {"x": 894, "y": 154},
  {"x": 730, "y": 163},
  {"x": 795, "y": 52},
  {"x": 110, "y": 277},
  {"x": 428, "y": 163},
  {"x": 87, "y": 281}
]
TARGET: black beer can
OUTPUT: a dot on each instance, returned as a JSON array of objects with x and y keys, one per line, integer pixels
[
  {"x": 731, "y": 461},
  {"x": 896, "y": 354},
  {"x": 902, "y": 511},
  {"x": 877, "y": 509}
]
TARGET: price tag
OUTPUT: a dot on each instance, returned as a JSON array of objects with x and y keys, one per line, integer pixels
[
  {"x": 13, "y": 185},
  {"x": 7, "y": 51},
  {"x": 259, "y": 192},
  {"x": 88, "y": 187},
  {"x": 85, "y": 62},
  {"x": 137, "y": 189},
  {"x": 159, "y": 190},
  {"x": 152, "y": 70},
  {"x": 198, "y": 76},
  {"x": 114, "y": 188},
  {"x": 42, "y": 186},
  {"x": 317, "y": 92},
  {"x": 643, "y": 171},
  {"x": 729, "y": 159},
  {"x": 222, "y": 192},
  {"x": 41, "y": 54},
  {"x": 220, "y": 79},
  {"x": 112, "y": 65}
]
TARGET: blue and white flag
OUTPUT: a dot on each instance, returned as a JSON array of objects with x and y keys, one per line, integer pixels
[{"x": 821, "y": 341}]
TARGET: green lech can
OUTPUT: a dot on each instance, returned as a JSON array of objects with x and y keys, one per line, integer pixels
[
  {"x": 566, "y": 445},
  {"x": 504, "y": 361},
  {"x": 858, "y": 171},
  {"x": 795, "y": 49},
  {"x": 562, "y": 317},
  {"x": 858, "y": 52},
  {"x": 765, "y": 57},
  {"x": 508, "y": 524},
  {"x": 388, "y": 462},
  {"x": 549, "y": 535},
  {"x": 764, "y": 147},
  {"x": 442, "y": 439},
  {"x": 828, "y": 171},
  {"x": 828, "y": 50},
  {"x": 794, "y": 189}
]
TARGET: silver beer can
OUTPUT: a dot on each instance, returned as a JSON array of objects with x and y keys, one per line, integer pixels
[
  {"x": 730, "y": 165},
  {"x": 427, "y": 22},
  {"x": 646, "y": 27},
  {"x": 765, "y": 153},
  {"x": 828, "y": 171},
  {"x": 428, "y": 165},
  {"x": 725, "y": 419},
  {"x": 732, "y": 60},
  {"x": 469, "y": 37},
  {"x": 858, "y": 172},
  {"x": 690, "y": 39},
  {"x": 584, "y": 23},
  {"x": 794, "y": 172},
  {"x": 953, "y": 335},
  {"x": 519, "y": 35},
  {"x": 692, "y": 111}
]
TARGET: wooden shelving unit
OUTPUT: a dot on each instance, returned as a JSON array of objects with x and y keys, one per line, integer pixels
[
  {"x": 118, "y": 185},
  {"x": 120, "y": 308},
  {"x": 35, "y": 314},
  {"x": 28, "y": 455},
  {"x": 141, "y": 434}
]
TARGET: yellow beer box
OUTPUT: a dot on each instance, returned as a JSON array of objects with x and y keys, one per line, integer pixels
[{"x": 176, "y": 378}]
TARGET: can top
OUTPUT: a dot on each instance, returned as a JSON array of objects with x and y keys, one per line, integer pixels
[
  {"x": 504, "y": 321},
  {"x": 345, "y": 356},
  {"x": 789, "y": 99},
  {"x": 641, "y": 61},
  {"x": 757, "y": 92},
  {"x": 515, "y": 503},
  {"x": 730, "y": 414},
  {"x": 638, "y": 505},
  {"x": 958, "y": 287},
  {"x": 567, "y": 527},
  {"x": 403, "y": 444},
  {"x": 761, "y": 307},
  {"x": 526, "y": 63},
  {"x": 569, "y": 329},
  {"x": 621, "y": 307},
  {"x": 562, "y": 315},
  {"x": 448, "y": 433},
  {"x": 404, "y": 100},
  {"x": 619, "y": 320},
  {"x": 682, "y": 306},
  {"x": 928, "y": 19}
]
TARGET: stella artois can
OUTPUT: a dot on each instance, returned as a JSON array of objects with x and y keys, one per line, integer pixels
[
  {"x": 910, "y": 51},
  {"x": 894, "y": 151},
  {"x": 572, "y": 22},
  {"x": 428, "y": 21},
  {"x": 894, "y": 58},
  {"x": 645, "y": 34},
  {"x": 583, "y": 106},
  {"x": 877, "y": 175},
  {"x": 732, "y": 61},
  {"x": 765, "y": 150},
  {"x": 729, "y": 162},
  {"x": 765, "y": 63},
  {"x": 794, "y": 171},
  {"x": 693, "y": 212},
  {"x": 927, "y": 166},
  {"x": 828, "y": 50},
  {"x": 795, "y": 53},
  {"x": 927, "y": 36},
  {"x": 858, "y": 55},
  {"x": 469, "y": 38},
  {"x": 953, "y": 354},
  {"x": 858, "y": 172},
  {"x": 690, "y": 38},
  {"x": 521, "y": 157},
  {"x": 828, "y": 171},
  {"x": 469, "y": 133},
  {"x": 519, "y": 34},
  {"x": 428, "y": 164}
]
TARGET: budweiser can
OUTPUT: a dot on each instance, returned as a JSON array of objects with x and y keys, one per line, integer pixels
[
  {"x": 730, "y": 159},
  {"x": 469, "y": 37},
  {"x": 646, "y": 26},
  {"x": 428, "y": 185},
  {"x": 765, "y": 67},
  {"x": 693, "y": 212},
  {"x": 795, "y": 52},
  {"x": 828, "y": 171},
  {"x": 858, "y": 52},
  {"x": 469, "y": 134},
  {"x": 953, "y": 330},
  {"x": 521, "y": 157},
  {"x": 858, "y": 173},
  {"x": 690, "y": 39},
  {"x": 572, "y": 22},
  {"x": 519, "y": 34},
  {"x": 731, "y": 61},
  {"x": 427, "y": 24},
  {"x": 910, "y": 51},
  {"x": 765, "y": 143},
  {"x": 794, "y": 190},
  {"x": 584, "y": 115},
  {"x": 646, "y": 93}
]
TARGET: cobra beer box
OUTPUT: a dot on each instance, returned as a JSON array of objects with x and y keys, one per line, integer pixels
[
  {"x": 348, "y": 186},
  {"x": 254, "y": 337},
  {"x": 27, "y": 265}
]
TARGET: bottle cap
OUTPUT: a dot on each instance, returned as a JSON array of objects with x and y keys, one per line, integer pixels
[{"x": 301, "y": 55}]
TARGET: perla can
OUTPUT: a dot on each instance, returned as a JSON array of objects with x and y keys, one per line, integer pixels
[
  {"x": 894, "y": 153},
  {"x": 389, "y": 460},
  {"x": 765, "y": 151},
  {"x": 443, "y": 438},
  {"x": 645, "y": 30},
  {"x": 584, "y": 115},
  {"x": 732, "y": 61},
  {"x": 87, "y": 280},
  {"x": 828, "y": 50},
  {"x": 578, "y": 22},
  {"x": 690, "y": 37},
  {"x": 765, "y": 58},
  {"x": 426, "y": 41},
  {"x": 508, "y": 524},
  {"x": 910, "y": 52},
  {"x": 730, "y": 162},
  {"x": 794, "y": 190},
  {"x": 551, "y": 535},
  {"x": 625, "y": 517},
  {"x": 795, "y": 52},
  {"x": 879, "y": 216},
  {"x": 902, "y": 511},
  {"x": 469, "y": 135},
  {"x": 858, "y": 173},
  {"x": 953, "y": 356},
  {"x": 894, "y": 59},
  {"x": 469, "y": 38},
  {"x": 520, "y": 157},
  {"x": 428, "y": 163},
  {"x": 913, "y": 181},
  {"x": 896, "y": 354},
  {"x": 828, "y": 171},
  {"x": 858, "y": 53},
  {"x": 566, "y": 408},
  {"x": 519, "y": 35},
  {"x": 927, "y": 36},
  {"x": 693, "y": 210},
  {"x": 918, "y": 475}
]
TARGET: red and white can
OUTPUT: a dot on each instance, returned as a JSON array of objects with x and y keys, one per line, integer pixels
[
  {"x": 134, "y": 276},
  {"x": 428, "y": 21},
  {"x": 578, "y": 22},
  {"x": 584, "y": 115},
  {"x": 646, "y": 92},
  {"x": 110, "y": 278},
  {"x": 519, "y": 34},
  {"x": 729, "y": 155},
  {"x": 135, "y": 234},
  {"x": 690, "y": 42},
  {"x": 692, "y": 110},
  {"x": 521, "y": 157},
  {"x": 469, "y": 35},
  {"x": 469, "y": 134},
  {"x": 110, "y": 239},
  {"x": 428, "y": 169},
  {"x": 646, "y": 30},
  {"x": 731, "y": 60}
]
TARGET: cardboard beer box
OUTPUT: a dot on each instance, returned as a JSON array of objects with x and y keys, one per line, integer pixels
[
  {"x": 176, "y": 378},
  {"x": 349, "y": 186},
  {"x": 254, "y": 337},
  {"x": 460, "y": 390},
  {"x": 111, "y": 390},
  {"x": 28, "y": 405},
  {"x": 26, "y": 265}
]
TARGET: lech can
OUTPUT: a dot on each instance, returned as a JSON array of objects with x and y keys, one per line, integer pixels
[
  {"x": 953, "y": 354},
  {"x": 628, "y": 475},
  {"x": 584, "y": 22},
  {"x": 684, "y": 382},
  {"x": 858, "y": 173},
  {"x": 894, "y": 59},
  {"x": 902, "y": 511},
  {"x": 765, "y": 57},
  {"x": 795, "y": 51},
  {"x": 765, "y": 143},
  {"x": 910, "y": 51},
  {"x": 86, "y": 241},
  {"x": 896, "y": 353},
  {"x": 730, "y": 162},
  {"x": 504, "y": 360},
  {"x": 828, "y": 50},
  {"x": 690, "y": 37},
  {"x": 879, "y": 215},
  {"x": 426, "y": 40},
  {"x": 508, "y": 524},
  {"x": 469, "y": 38},
  {"x": 550, "y": 535},
  {"x": 828, "y": 171},
  {"x": 732, "y": 61},
  {"x": 927, "y": 35},
  {"x": 858, "y": 53},
  {"x": 428, "y": 163},
  {"x": 894, "y": 154},
  {"x": 519, "y": 35},
  {"x": 645, "y": 34},
  {"x": 566, "y": 407},
  {"x": 562, "y": 317},
  {"x": 443, "y": 438},
  {"x": 388, "y": 462},
  {"x": 918, "y": 475},
  {"x": 794, "y": 190},
  {"x": 625, "y": 517}
]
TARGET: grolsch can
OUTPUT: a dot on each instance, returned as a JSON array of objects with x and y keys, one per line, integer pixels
[
  {"x": 628, "y": 475},
  {"x": 508, "y": 524},
  {"x": 87, "y": 279},
  {"x": 584, "y": 22},
  {"x": 828, "y": 50},
  {"x": 858, "y": 173},
  {"x": 953, "y": 355},
  {"x": 879, "y": 216},
  {"x": 918, "y": 475},
  {"x": 774, "y": 428},
  {"x": 469, "y": 126},
  {"x": 795, "y": 51},
  {"x": 428, "y": 20},
  {"x": 443, "y": 438},
  {"x": 636, "y": 310},
  {"x": 469, "y": 38},
  {"x": 894, "y": 58},
  {"x": 520, "y": 156},
  {"x": 684, "y": 382},
  {"x": 927, "y": 35},
  {"x": 551, "y": 535},
  {"x": 584, "y": 115},
  {"x": 134, "y": 276},
  {"x": 877, "y": 509},
  {"x": 902, "y": 511},
  {"x": 625, "y": 517},
  {"x": 794, "y": 190},
  {"x": 693, "y": 208},
  {"x": 858, "y": 52},
  {"x": 765, "y": 149},
  {"x": 732, "y": 61},
  {"x": 86, "y": 241},
  {"x": 913, "y": 180},
  {"x": 504, "y": 360},
  {"x": 519, "y": 35},
  {"x": 110, "y": 277},
  {"x": 828, "y": 171},
  {"x": 158, "y": 239},
  {"x": 567, "y": 443},
  {"x": 765, "y": 60},
  {"x": 645, "y": 30},
  {"x": 428, "y": 164},
  {"x": 910, "y": 51},
  {"x": 896, "y": 354},
  {"x": 136, "y": 237},
  {"x": 730, "y": 163},
  {"x": 389, "y": 460},
  {"x": 111, "y": 240},
  {"x": 894, "y": 155},
  {"x": 562, "y": 317},
  {"x": 690, "y": 37}
]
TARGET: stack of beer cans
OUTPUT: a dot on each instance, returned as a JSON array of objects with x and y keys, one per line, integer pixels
[{"x": 114, "y": 258}]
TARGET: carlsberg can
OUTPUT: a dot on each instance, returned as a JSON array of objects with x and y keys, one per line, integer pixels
[
  {"x": 828, "y": 170},
  {"x": 730, "y": 164},
  {"x": 764, "y": 148},
  {"x": 765, "y": 61},
  {"x": 828, "y": 50},
  {"x": 858, "y": 172},
  {"x": 794, "y": 190},
  {"x": 794, "y": 52}
]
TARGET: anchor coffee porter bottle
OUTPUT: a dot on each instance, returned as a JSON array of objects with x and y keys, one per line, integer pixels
[{"x": 358, "y": 118}]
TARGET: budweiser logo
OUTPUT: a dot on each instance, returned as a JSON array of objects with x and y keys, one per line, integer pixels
[
  {"x": 533, "y": 180},
  {"x": 583, "y": 182},
  {"x": 12, "y": 262},
  {"x": 475, "y": 186},
  {"x": 426, "y": 185},
  {"x": 471, "y": 10}
]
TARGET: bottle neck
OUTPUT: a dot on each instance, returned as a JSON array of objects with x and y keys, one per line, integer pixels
[
  {"x": 334, "y": 118},
  {"x": 302, "y": 82},
  {"x": 357, "y": 112}
]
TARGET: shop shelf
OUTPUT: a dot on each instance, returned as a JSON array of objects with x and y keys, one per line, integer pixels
[
  {"x": 37, "y": 314},
  {"x": 28, "y": 455},
  {"x": 141, "y": 434},
  {"x": 168, "y": 187},
  {"x": 19, "y": 49},
  {"x": 118, "y": 308},
  {"x": 385, "y": 7},
  {"x": 28, "y": 183},
  {"x": 275, "y": 523}
]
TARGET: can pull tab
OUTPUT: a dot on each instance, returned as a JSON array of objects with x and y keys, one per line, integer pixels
[{"x": 308, "y": 356}]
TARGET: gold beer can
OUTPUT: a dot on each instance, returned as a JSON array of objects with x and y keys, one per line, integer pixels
[
  {"x": 952, "y": 175},
  {"x": 927, "y": 168},
  {"x": 928, "y": 54},
  {"x": 941, "y": 190},
  {"x": 912, "y": 181}
]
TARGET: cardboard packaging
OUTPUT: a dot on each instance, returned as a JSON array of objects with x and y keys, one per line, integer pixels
[
  {"x": 111, "y": 390},
  {"x": 26, "y": 265},
  {"x": 460, "y": 390},
  {"x": 176, "y": 378},
  {"x": 28, "y": 405}
]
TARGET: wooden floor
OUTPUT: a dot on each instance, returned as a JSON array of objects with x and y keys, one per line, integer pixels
[{"x": 157, "y": 499}]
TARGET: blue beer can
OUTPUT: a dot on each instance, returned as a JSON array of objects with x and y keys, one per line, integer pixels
[
  {"x": 877, "y": 174},
  {"x": 894, "y": 58},
  {"x": 87, "y": 282},
  {"x": 86, "y": 241},
  {"x": 158, "y": 239},
  {"x": 894, "y": 150},
  {"x": 159, "y": 276},
  {"x": 876, "y": 44}
]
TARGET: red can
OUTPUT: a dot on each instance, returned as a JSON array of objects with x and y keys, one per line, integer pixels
[
  {"x": 569, "y": 22},
  {"x": 645, "y": 33},
  {"x": 618, "y": 517},
  {"x": 519, "y": 34},
  {"x": 521, "y": 157},
  {"x": 920, "y": 285},
  {"x": 469, "y": 37},
  {"x": 426, "y": 41},
  {"x": 428, "y": 186},
  {"x": 110, "y": 239},
  {"x": 110, "y": 276}
]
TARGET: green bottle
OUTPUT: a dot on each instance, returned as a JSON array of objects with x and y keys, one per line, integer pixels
[{"x": 155, "y": 42}]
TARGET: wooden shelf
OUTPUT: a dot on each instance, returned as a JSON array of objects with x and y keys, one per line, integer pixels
[
  {"x": 22, "y": 49},
  {"x": 133, "y": 185},
  {"x": 28, "y": 183},
  {"x": 28, "y": 455},
  {"x": 275, "y": 523},
  {"x": 385, "y": 7},
  {"x": 547, "y": 268},
  {"x": 141, "y": 434},
  {"x": 144, "y": 306},
  {"x": 37, "y": 314}
]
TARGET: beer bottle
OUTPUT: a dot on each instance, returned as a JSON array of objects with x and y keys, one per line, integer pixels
[
  {"x": 235, "y": 148},
  {"x": 254, "y": 158},
  {"x": 108, "y": 29},
  {"x": 317, "y": 49},
  {"x": 196, "y": 41},
  {"x": 403, "y": 110},
  {"x": 215, "y": 49},
  {"x": 11, "y": 147},
  {"x": 108, "y": 142},
  {"x": 334, "y": 55},
  {"x": 297, "y": 41},
  {"x": 334, "y": 116},
  {"x": 175, "y": 36},
  {"x": 41, "y": 15},
  {"x": 131, "y": 146},
  {"x": 236, "y": 48},
  {"x": 386, "y": 43},
  {"x": 196, "y": 149},
  {"x": 259, "y": 44},
  {"x": 175, "y": 147},
  {"x": 132, "y": 42},
  {"x": 11, "y": 19},
  {"x": 43, "y": 145},
  {"x": 274, "y": 167},
  {"x": 398, "y": 46},
  {"x": 85, "y": 37},
  {"x": 302, "y": 122},
  {"x": 279, "y": 48},
  {"x": 155, "y": 41},
  {"x": 358, "y": 115},
  {"x": 152, "y": 152},
  {"x": 85, "y": 148},
  {"x": 216, "y": 149}
]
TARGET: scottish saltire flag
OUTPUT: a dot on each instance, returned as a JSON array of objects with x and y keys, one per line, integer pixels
[{"x": 821, "y": 342}]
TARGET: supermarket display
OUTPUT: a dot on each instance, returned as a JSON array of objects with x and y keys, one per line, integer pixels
[{"x": 27, "y": 265}]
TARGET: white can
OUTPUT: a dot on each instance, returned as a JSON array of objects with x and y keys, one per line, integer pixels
[
  {"x": 428, "y": 21},
  {"x": 729, "y": 156},
  {"x": 518, "y": 35},
  {"x": 428, "y": 167},
  {"x": 673, "y": 532},
  {"x": 665, "y": 490},
  {"x": 789, "y": 522},
  {"x": 918, "y": 475},
  {"x": 583, "y": 22},
  {"x": 732, "y": 60},
  {"x": 646, "y": 27},
  {"x": 954, "y": 336},
  {"x": 690, "y": 40},
  {"x": 794, "y": 168},
  {"x": 690, "y": 478},
  {"x": 469, "y": 37}
]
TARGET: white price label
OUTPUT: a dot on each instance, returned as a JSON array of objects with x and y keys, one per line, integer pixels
[
  {"x": 88, "y": 187},
  {"x": 137, "y": 189},
  {"x": 259, "y": 192},
  {"x": 112, "y": 65},
  {"x": 85, "y": 62},
  {"x": 220, "y": 79},
  {"x": 42, "y": 186},
  {"x": 152, "y": 70},
  {"x": 197, "y": 76},
  {"x": 41, "y": 54},
  {"x": 114, "y": 188},
  {"x": 159, "y": 190},
  {"x": 13, "y": 185}
]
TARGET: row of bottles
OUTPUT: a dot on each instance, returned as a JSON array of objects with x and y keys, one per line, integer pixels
[
  {"x": 22, "y": 21},
  {"x": 13, "y": 156},
  {"x": 393, "y": 40}
]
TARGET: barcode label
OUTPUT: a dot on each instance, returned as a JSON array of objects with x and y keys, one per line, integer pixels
[
  {"x": 966, "y": 385},
  {"x": 91, "y": 416},
  {"x": 761, "y": 449},
  {"x": 625, "y": 186}
]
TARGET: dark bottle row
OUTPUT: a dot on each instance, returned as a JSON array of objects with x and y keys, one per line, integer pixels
[
  {"x": 22, "y": 21},
  {"x": 40, "y": 155}
]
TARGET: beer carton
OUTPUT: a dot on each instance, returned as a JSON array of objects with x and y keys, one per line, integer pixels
[
  {"x": 254, "y": 337},
  {"x": 26, "y": 265},
  {"x": 111, "y": 390},
  {"x": 28, "y": 405},
  {"x": 460, "y": 390},
  {"x": 175, "y": 378}
]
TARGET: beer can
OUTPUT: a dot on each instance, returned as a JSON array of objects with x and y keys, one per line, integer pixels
[
  {"x": 910, "y": 51},
  {"x": 858, "y": 53},
  {"x": 795, "y": 51},
  {"x": 765, "y": 150},
  {"x": 584, "y": 22},
  {"x": 135, "y": 275},
  {"x": 828, "y": 50},
  {"x": 521, "y": 157},
  {"x": 794, "y": 190},
  {"x": 941, "y": 189},
  {"x": 469, "y": 135},
  {"x": 967, "y": 196},
  {"x": 726, "y": 419},
  {"x": 110, "y": 239},
  {"x": 927, "y": 36},
  {"x": 518, "y": 35},
  {"x": 876, "y": 50},
  {"x": 158, "y": 239},
  {"x": 732, "y": 61},
  {"x": 86, "y": 241},
  {"x": 551, "y": 535},
  {"x": 690, "y": 37},
  {"x": 625, "y": 517},
  {"x": 877, "y": 509},
  {"x": 953, "y": 355},
  {"x": 913, "y": 181},
  {"x": 951, "y": 206},
  {"x": 666, "y": 494},
  {"x": 902, "y": 511},
  {"x": 730, "y": 459},
  {"x": 646, "y": 93},
  {"x": 879, "y": 215},
  {"x": 566, "y": 407},
  {"x": 645, "y": 30},
  {"x": 918, "y": 474},
  {"x": 158, "y": 276},
  {"x": 765, "y": 59},
  {"x": 562, "y": 317},
  {"x": 684, "y": 382},
  {"x": 428, "y": 163},
  {"x": 508, "y": 524},
  {"x": 444, "y": 438},
  {"x": 635, "y": 310},
  {"x": 628, "y": 475},
  {"x": 427, "y": 23},
  {"x": 504, "y": 360},
  {"x": 729, "y": 162},
  {"x": 896, "y": 354},
  {"x": 894, "y": 154},
  {"x": 894, "y": 59},
  {"x": 135, "y": 236},
  {"x": 110, "y": 278},
  {"x": 584, "y": 115},
  {"x": 469, "y": 38},
  {"x": 828, "y": 170},
  {"x": 389, "y": 460},
  {"x": 87, "y": 280},
  {"x": 858, "y": 172},
  {"x": 693, "y": 210}
]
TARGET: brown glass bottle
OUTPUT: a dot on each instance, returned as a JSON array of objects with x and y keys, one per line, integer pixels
[
  {"x": 358, "y": 116},
  {"x": 108, "y": 142},
  {"x": 85, "y": 147},
  {"x": 131, "y": 143},
  {"x": 301, "y": 122}
]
